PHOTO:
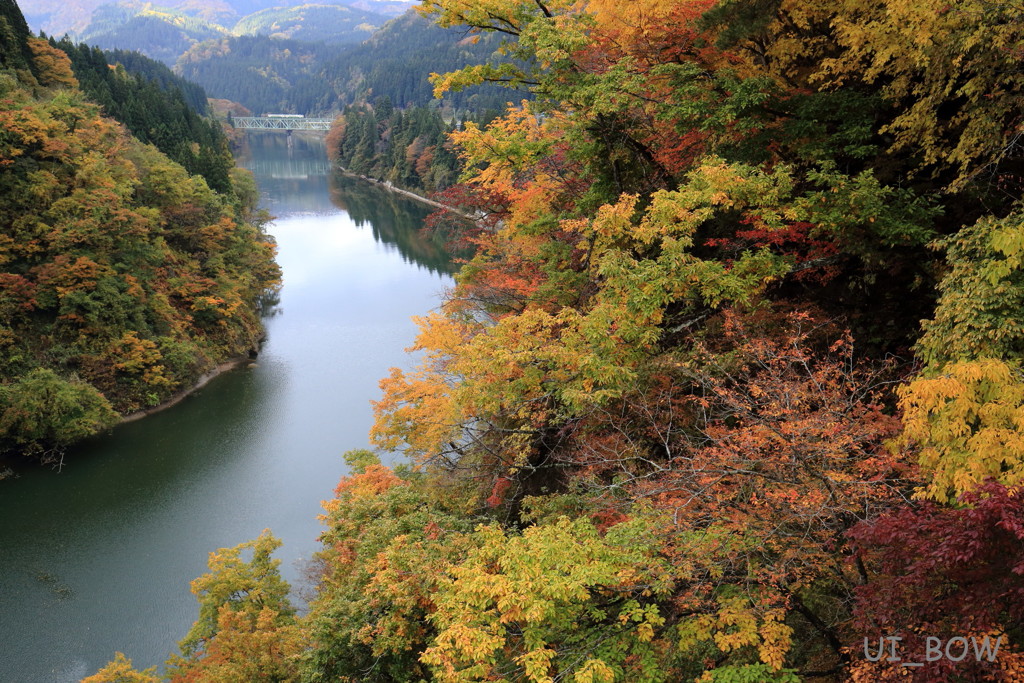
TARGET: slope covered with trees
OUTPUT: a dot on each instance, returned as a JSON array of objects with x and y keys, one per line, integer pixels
[
  {"x": 680, "y": 418},
  {"x": 158, "y": 32},
  {"x": 291, "y": 76},
  {"x": 266, "y": 75},
  {"x": 58, "y": 17},
  {"x": 166, "y": 33},
  {"x": 408, "y": 148},
  {"x": 123, "y": 278},
  {"x": 396, "y": 62},
  {"x": 312, "y": 23},
  {"x": 145, "y": 96}
]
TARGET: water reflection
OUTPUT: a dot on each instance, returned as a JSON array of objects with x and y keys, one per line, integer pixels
[
  {"x": 301, "y": 169},
  {"x": 393, "y": 219},
  {"x": 92, "y": 554},
  {"x": 288, "y": 172}
]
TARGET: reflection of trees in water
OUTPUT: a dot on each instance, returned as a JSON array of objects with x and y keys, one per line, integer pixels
[
  {"x": 275, "y": 144},
  {"x": 269, "y": 303},
  {"x": 394, "y": 219},
  {"x": 292, "y": 177}
]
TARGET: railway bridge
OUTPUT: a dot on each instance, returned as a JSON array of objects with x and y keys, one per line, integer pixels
[{"x": 286, "y": 122}]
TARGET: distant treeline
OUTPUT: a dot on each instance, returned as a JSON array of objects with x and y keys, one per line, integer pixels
[{"x": 408, "y": 148}]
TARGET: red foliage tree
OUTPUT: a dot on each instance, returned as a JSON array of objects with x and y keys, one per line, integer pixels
[{"x": 943, "y": 572}]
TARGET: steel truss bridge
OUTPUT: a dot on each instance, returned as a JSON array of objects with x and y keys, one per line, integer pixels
[{"x": 288, "y": 123}]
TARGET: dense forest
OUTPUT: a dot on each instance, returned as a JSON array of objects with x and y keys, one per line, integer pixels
[
  {"x": 265, "y": 75},
  {"x": 159, "y": 33},
  {"x": 279, "y": 75},
  {"x": 396, "y": 62},
  {"x": 156, "y": 106},
  {"x": 123, "y": 276},
  {"x": 731, "y": 391}
]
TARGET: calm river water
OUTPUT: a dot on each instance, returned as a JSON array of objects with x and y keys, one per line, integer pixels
[{"x": 98, "y": 558}]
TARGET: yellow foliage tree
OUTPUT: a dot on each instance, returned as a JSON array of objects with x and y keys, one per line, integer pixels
[
  {"x": 968, "y": 421},
  {"x": 120, "y": 670}
]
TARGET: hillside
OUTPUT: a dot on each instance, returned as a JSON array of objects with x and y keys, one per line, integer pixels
[
  {"x": 312, "y": 23},
  {"x": 396, "y": 62},
  {"x": 161, "y": 34},
  {"x": 123, "y": 277},
  {"x": 57, "y": 17},
  {"x": 264, "y": 74},
  {"x": 236, "y": 51},
  {"x": 166, "y": 33},
  {"x": 154, "y": 105}
]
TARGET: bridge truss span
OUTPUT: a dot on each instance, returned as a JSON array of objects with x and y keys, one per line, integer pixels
[{"x": 280, "y": 123}]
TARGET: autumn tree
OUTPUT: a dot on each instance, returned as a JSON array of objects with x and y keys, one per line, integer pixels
[
  {"x": 387, "y": 543},
  {"x": 246, "y": 628},
  {"x": 676, "y": 418},
  {"x": 622, "y": 339},
  {"x": 44, "y": 413},
  {"x": 943, "y": 573},
  {"x": 120, "y": 670}
]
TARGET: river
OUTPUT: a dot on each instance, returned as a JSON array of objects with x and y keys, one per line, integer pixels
[{"x": 98, "y": 557}]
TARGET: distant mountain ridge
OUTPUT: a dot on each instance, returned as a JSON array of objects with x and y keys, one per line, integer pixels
[
  {"x": 57, "y": 17},
  {"x": 288, "y": 56},
  {"x": 159, "y": 33},
  {"x": 315, "y": 22},
  {"x": 165, "y": 33}
]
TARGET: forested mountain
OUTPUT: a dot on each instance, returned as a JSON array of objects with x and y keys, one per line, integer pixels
[
  {"x": 123, "y": 278},
  {"x": 153, "y": 71},
  {"x": 159, "y": 33},
  {"x": 288, "y": 58},
  {"x": 733, "y": 389},
  {"x": 271, "y": 75},
  {"x": 312, "y": 23},
  {"x": 58, "y": 17},
  {"x": 264, "y": 74},
  {"x": 396, "y": 62},
  {"x": 165, "y": 33}
]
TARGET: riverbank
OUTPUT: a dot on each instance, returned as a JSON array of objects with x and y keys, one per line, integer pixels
[
  {"x": 180, "y": 396},
  {"x": 10, "y": 460},
  {"x": 386, "y": 184}
]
